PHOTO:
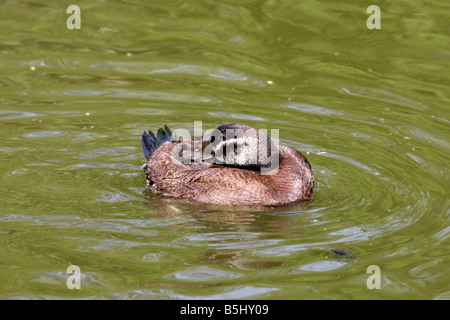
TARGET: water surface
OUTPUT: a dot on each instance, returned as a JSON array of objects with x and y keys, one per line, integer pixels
[{"x": 368, "y": 108}]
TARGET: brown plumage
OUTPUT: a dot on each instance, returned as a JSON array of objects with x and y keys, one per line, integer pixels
[{"x": 238, "y": 182}]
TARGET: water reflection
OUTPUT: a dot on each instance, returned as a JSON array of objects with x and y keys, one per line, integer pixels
[
  {"x": 230, "y": 235},
  {"x": 242, "y": 218}
]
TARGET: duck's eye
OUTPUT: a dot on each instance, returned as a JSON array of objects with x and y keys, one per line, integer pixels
[{"x": 181, "y": 153}]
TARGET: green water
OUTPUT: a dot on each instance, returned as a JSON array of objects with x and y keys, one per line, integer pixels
[{"x": 369, "y": 109}]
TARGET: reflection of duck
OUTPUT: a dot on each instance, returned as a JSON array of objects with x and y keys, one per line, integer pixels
[{"x": 235, "y": 178}]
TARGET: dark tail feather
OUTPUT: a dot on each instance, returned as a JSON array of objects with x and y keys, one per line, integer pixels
[{"x": 150, "y": 142}]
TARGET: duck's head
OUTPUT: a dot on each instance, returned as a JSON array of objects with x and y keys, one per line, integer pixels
[{"x": 239, "y": 145}]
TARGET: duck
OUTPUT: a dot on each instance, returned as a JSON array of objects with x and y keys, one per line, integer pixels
[{"x": 234, "y": 164}]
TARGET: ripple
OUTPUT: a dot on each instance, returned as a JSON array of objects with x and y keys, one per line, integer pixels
[
  {"x": 228, "y": 75},
  {"x": 223, "y": 236},
  {"x": 87, "y": 279},
  {"x": 150, "y": 95},
  {"x": 113, "y": 151},
  {"x": 307, "y": 108},
  {"x": 110, "y": 245},
  {"x": 79, "y": 137},
  {"x": 230, "y": 240},
  {"x": 282, "y": 250},
  {"x": 353, "y": 163},
  {"x": 9, "y": 149},
  {"x": 139, "y": 227},
  {"x": 442, "y": 235},
  {"x": 321, "y": 266},
  {"x": 39, "y": 219},
  {"x": 166, "y": 68},
  {"x": 222, "y": 115},
  {"x": 67, "y": 113},
  {"x": 426, "y": 137},
  {"x": 233, "y": 293},
  {"x": 154, "y": 257},
  {"x": 382, "y": 95},
  {"x": 19, "y": 171},
  {"x": 149, "y": 111},
  {"x": 116, "y": 196},
  {"x": 203, "y": 274},
  {"x": 45, "y": 134},
  {"x": 6, "y": 115},
  {"x": 102, "y": 165}
]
